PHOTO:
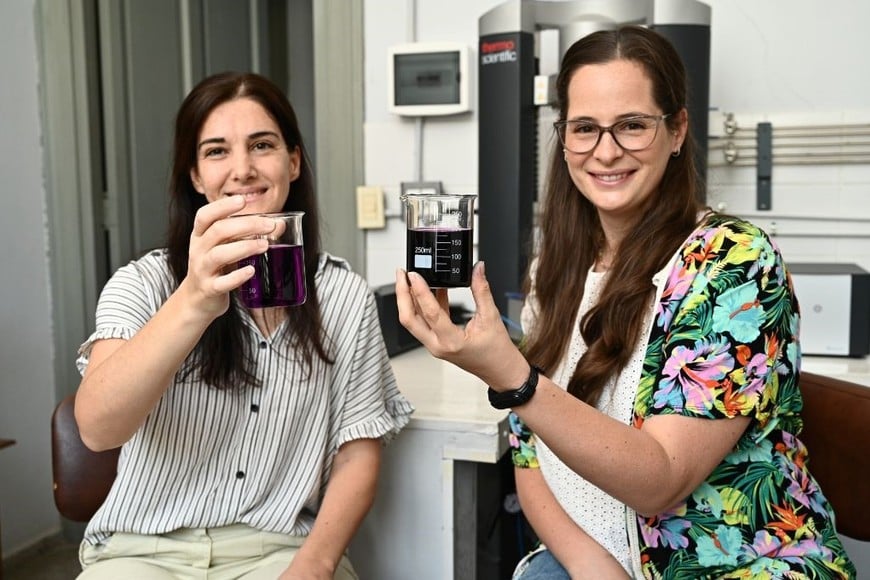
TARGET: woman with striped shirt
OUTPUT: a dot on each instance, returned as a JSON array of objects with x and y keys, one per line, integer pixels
[{"x": 250, "y": 438}]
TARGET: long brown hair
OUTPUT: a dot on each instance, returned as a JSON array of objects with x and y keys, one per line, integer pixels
[
  {"x": 224, "y": 352},
  {"x": 571, "y": 234}
]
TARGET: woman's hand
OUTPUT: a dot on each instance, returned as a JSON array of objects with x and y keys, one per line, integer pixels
[
  {"x": 483, "y": 347},
  {"x": 302, "y": 569},
  {"x": 216, "y": 245}
]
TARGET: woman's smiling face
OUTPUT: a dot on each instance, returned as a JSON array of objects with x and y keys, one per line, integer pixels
[
  {"x": 618, "y": 182},
  {"x": 240, "y": 151}
]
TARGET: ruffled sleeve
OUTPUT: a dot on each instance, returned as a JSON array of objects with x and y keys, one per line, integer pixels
[
  {"x": 128, "y": 300},
  {"x": 372, "y": 406},
  {"x": 522, "y": 441}
]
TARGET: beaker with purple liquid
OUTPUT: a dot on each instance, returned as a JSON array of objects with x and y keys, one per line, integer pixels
[
  {"x": 279, "y": 273},
  {"x": 440, "y": 237}
]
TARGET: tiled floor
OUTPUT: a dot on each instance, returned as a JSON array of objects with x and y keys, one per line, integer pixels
[{"x": 54, "y": 558}]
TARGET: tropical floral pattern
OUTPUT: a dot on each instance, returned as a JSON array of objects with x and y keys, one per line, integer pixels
[{"x": 724, "y": 344}]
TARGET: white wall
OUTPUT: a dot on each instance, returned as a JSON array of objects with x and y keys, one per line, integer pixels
[
  {"x": 800, "y": 62},
  {"x": 26, "y": 357}
]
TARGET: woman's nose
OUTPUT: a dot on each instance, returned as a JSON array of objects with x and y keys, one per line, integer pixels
[
  {"x": 607, "y": 147},
  {"x": 243, "y": 167}
]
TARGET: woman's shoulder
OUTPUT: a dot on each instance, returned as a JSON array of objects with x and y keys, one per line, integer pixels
[
  {"x": 146, "y": 280},
  {"x": 336, "y": 273},
  {"x": 717, "y": 234},
  {"x": 153, "y": 265},
  {"x": 714, "y": 221}
]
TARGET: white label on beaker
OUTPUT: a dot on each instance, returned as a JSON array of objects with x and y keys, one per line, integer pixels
[{"x": 422, "y": 261}]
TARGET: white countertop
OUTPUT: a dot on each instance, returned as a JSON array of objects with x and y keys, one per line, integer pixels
[
  {"x": 441, "y": 391},
  {"x": 446, "y": 398}
]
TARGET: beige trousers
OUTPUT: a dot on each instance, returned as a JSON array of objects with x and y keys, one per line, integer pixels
[{"x": 236, "y": 552}]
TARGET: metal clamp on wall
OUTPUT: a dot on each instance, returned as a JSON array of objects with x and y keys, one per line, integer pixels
[{"x": 763, "y": 165}]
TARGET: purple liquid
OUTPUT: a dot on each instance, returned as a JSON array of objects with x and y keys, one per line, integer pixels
[
  {"x": 279, "y": 278},
  {"x": 441, "y": 256}
]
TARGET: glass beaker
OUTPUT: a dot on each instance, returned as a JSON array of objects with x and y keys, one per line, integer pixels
[
  {"x": 440, "y": 237},
  {"x": 279, "y": 273}
]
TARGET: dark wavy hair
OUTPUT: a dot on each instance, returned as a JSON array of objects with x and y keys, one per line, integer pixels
[
  {"x": 572, "y": 237},
  {"x": 224, "y": 353}
]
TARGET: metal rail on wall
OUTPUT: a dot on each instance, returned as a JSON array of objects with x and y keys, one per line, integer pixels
[
  {"x": 792, "y": 145},
  {"x": 765, "y": 145}
]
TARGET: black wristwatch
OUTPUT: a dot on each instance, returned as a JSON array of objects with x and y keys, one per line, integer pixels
[{"x": 516, "y": 397}]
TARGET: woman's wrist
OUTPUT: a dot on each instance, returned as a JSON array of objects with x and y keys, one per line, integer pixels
[{"x": 511, "y": 376}]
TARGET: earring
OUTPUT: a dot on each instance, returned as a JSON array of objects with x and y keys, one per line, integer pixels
[
  {"x": 565, "y": 154},
  {"x": 676, "y": 153}
]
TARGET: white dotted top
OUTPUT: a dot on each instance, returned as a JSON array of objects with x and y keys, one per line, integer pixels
[{"x": 600, "y": 515}]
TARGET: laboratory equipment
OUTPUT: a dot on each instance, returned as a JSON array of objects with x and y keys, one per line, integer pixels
[{"x": 440, "y": 237}]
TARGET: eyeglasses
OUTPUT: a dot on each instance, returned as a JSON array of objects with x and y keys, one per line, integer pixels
[{"x": 632, "y": 134}]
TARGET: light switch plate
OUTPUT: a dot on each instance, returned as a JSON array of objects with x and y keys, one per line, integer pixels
[{"x": 369, "y": 207}]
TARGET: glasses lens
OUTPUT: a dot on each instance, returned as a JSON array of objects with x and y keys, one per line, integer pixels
[
  {"x": 577, "y": 136},
  {"x": 635, "y": 134},
  {"x": 630, "y": 134}
]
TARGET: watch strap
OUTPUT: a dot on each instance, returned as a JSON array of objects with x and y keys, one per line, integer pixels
[{"x": 515, "y": 397}]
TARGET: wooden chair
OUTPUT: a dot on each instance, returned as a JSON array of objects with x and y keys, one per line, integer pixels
[
  {"x": 82, "y": 478},
  {"x": 836, "y": 431}
]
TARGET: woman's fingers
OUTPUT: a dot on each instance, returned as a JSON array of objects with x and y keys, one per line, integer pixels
[
  {"x": 443, "y": 300},
  {"x": 482, "y": 293},
  {"x": 216, "y": 210},
  {"x": 422, "y": 313},
  {"x": 434, "y": 308},
  {"x": 233, "y": 279},
  {"x": 409, "y": 310},
  {"x": 226, "y": 256}
]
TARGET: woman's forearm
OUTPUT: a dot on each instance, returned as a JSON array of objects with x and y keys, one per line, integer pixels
[
  {"x": 124, "y": 380},
  {"x": 348, "y": 498},
  {"x": 674, "y": 453},
  {"x": 578, "y": 552}
]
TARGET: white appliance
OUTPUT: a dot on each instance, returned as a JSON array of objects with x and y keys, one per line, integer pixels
[{"x": 835, "y": 308}]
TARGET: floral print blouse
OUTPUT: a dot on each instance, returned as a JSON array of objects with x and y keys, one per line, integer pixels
[{"x": 724, "y": 343}]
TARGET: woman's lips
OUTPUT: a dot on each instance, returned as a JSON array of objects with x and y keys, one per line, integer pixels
[
  {"x": 249, "y": 195},
  {"x": 611, "y": 178}
]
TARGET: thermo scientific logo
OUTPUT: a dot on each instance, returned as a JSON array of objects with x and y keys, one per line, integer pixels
[{"x": 499, "y": 51}]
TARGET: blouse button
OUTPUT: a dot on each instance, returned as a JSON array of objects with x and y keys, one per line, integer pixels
[
  {"x": 240, "y": 475},
  {"x": 255, "y": 408},
  {"x": 263, "y": 344}
]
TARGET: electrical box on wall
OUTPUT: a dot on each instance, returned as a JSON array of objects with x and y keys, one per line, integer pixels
[{"x": 428, "y": 78}]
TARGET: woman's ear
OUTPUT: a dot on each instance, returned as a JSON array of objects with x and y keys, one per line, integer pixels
[
  {"x": 681, "y": 129},
  {"x": 295, "y": 163},
  {"x": 197, "y": 182}
]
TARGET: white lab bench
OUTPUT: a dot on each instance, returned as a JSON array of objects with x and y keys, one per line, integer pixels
[{"x": 425, "y": 519}]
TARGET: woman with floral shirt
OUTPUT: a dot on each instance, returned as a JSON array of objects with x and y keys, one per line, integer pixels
[{"x": 656, "y": 432}]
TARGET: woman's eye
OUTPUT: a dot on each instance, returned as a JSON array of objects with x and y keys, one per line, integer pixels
[
  {"x": 585, "y": 128},
  {"x": 262, "y": 146},
  {"x": 214, "y": 152},
  {"x": 632, "y": 126}
]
